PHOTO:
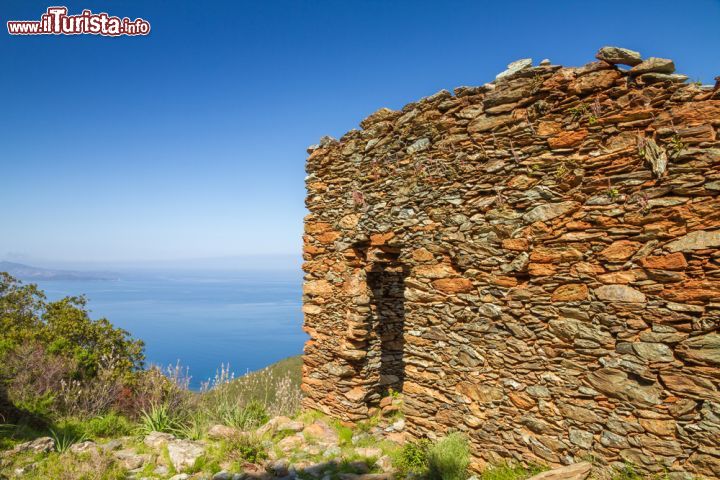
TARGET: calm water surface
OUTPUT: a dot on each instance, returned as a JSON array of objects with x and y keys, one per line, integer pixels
[{"x": 202, "y": 319}]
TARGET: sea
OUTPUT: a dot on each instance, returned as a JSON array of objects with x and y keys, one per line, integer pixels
[{"x": 201, "y": 319}]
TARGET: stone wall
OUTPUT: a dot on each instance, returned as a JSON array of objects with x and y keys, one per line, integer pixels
[{"x": 534, "y": 262}]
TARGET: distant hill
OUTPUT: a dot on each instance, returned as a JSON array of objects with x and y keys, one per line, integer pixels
[{"x": 27, "y": 272}]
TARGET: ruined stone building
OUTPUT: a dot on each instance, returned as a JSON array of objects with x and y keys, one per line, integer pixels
[{"x": 534, "y": 262}]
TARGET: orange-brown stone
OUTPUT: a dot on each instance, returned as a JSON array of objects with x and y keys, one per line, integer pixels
[
  {"x": 570, "y": 293},
  {"x": 453, "y": 285},
  {"x": 541, "y": 269},
  {"x": 327, "y": 238},
  {"x": 515, "y": 244},
  {"x": 674, "y": 261},
  {"x": 422, "y": 255},
  {"x": 555, "y": 255},
  {"x": 620, "y": 251},
  {"x": 381, "y": 238},
  {"x": 567, "y": 138}
]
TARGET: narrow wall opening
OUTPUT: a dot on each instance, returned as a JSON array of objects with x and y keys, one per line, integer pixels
[{"x": 386, "y": 285}]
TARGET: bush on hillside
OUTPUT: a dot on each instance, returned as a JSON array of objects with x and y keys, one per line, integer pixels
[{"x": 55, "y": 359}]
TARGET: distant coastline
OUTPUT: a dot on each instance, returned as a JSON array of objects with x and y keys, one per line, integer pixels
[{"x": 27, "y": 272}]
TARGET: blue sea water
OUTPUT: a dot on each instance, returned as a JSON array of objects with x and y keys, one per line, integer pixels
[{"x": 248, "y": 319}]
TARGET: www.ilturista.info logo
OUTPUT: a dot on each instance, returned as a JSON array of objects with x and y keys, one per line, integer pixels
[{"x": 57, "y": 22}]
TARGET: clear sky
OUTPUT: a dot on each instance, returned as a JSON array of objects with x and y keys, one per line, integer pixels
[{"x": 190, "y": 142}]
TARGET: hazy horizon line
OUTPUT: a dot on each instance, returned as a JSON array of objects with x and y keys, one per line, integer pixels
[{"x": 221, "y": 262}]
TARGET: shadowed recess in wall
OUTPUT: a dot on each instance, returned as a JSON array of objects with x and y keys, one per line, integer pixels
[{"x": 386, "y": 283}]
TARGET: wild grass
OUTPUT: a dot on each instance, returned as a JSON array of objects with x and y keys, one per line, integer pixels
[
  {"x": 159, "y": 418},
  {"x": 449, "y": 458},
  {"x": 70, "y": 466},
  {"x": 66, "y": 438},
  {"x": 412, "y": 458},
  {"x": 510, "y": 471}
]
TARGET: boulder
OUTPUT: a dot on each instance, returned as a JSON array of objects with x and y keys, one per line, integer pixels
[
  {"x": 514, "y": 67},
  {"x": 184, "y": 453},
  {"x": 219, "y": 432},
  {"x": 322, "y": 433},
  {"x": 619, "y": 56},
  {"x": 158, "y": 439},
  {"x": 653, "y": 65}
]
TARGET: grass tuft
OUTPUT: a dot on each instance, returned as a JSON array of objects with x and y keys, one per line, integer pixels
[{"x": 449, "y": 458}]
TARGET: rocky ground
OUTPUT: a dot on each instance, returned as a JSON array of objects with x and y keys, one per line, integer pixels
[{"x": 308, "y": 447}]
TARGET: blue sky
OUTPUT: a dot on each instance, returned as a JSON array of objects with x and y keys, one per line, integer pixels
[{"x": 190, "y": 143}]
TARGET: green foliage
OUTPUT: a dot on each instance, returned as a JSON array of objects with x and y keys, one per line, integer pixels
[
  {"x": 627, "y": 472},
  {"x": 159, "y": 418},
  {"x": 245, "y": 417},
  {"x": 449, "y": 458},
  {"x": 69, "y": 330},
  {"x": 510, "y": 471},
  {"x": 109, "y": 425},
  {"x": 51, "y": 352},
  {"x": 66, "y": 438},
  {"x": 412, "y": 458},
  {"x": 36, "y": 406},
  {"x": 64, "y": 328},
  {"x": 248, "y": 448},
  {"x": 235, "y": 451},
  {"x": 70, "y": 466},
  {"x": 345, "y": 434}
]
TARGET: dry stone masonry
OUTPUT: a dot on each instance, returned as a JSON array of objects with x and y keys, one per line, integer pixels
[{"x": 534, "y": 262}]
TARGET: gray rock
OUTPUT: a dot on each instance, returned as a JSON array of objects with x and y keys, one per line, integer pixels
[
  {"x": 419, "y": 146},
  {"x": 514, "y": 67},
  {"x": 653, "y": 65},
  {"x": 222, "y": 475},
  {"x": 656, "y": 156},
  {"x": 157, "y": 439},
  {"x": 662, "y": 77},
  {"x": 699, "y": 240},
  {"x": 549, "y": 211},
  {"x": 180, "y": 476},
  {"x": 581, "y": 438},
  {"x": 39, "y": 445},
  {"x": 619, "y": 56},
  {"x": 615, "y": 383},
  {"x": 653, "y": 352},
  {"x": 279, "y": 468},
  {"x": 184, "y": 453},
  {"x": 111, "y": 445},
  {"x": 130, "y": 459},
  {"x": 620, "y": 293},
  {"x": 83, "y": 447},
  {"x": 219, "y": 432},
  {"x": 703, "y": 349}
]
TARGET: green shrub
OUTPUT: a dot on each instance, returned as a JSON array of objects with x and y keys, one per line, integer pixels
[
  {"x": 50, "y": 352},
  {"x": 109, "y": 425},
  {"x": 159, "y": 418},
  {"x": 412, "y": 458},
  {"x": 66, "y": 438},
  {"x": 449, "y": 458},
  {"x": 250, "y": 416}
]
